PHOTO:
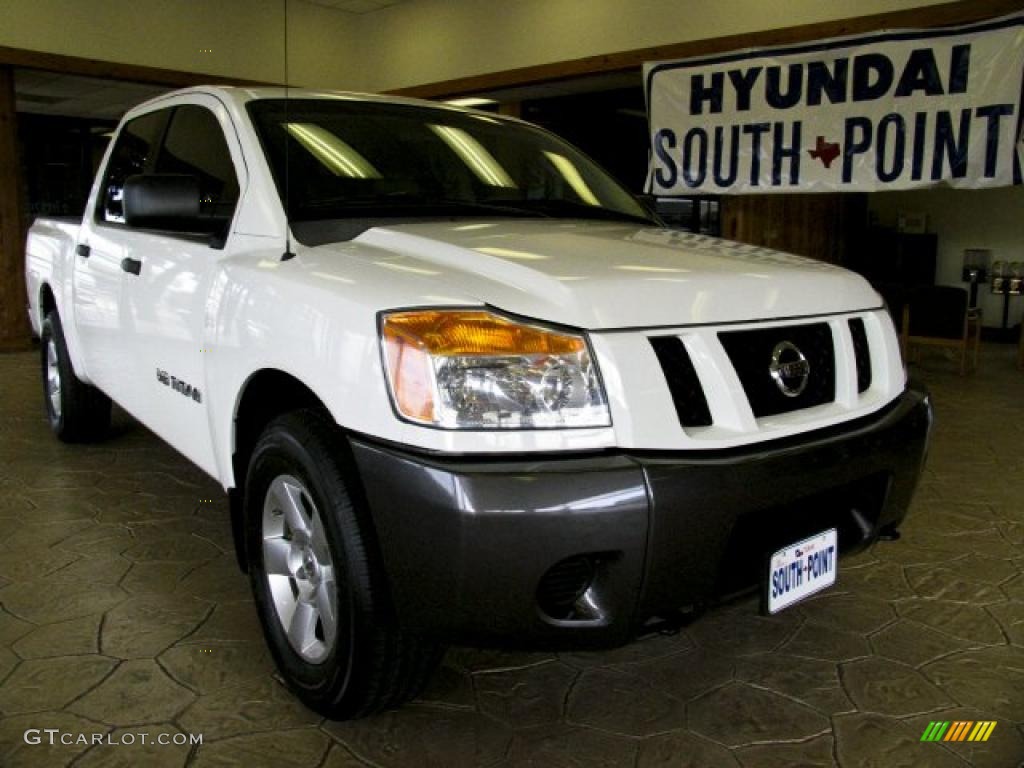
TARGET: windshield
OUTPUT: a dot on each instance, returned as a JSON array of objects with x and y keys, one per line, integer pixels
[{"x": 359, "y": 159}]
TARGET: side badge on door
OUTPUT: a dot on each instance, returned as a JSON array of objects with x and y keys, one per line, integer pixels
[{"x": 178, "y": 385}]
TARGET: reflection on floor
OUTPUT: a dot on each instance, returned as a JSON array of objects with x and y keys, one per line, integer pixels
[{"x": 123, "y": 612}]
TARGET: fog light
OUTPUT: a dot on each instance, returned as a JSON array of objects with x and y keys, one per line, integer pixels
[{"x": 562, "y": 588}]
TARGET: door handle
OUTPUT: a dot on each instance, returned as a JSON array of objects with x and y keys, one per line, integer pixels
[
  {"x": 134, "y": 266},
  {"x": 83, "y": 250}
]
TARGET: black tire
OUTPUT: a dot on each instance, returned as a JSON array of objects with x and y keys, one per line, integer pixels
[
  {"x": 372, "y": 664},
  {"x": 83, "y": 412}
]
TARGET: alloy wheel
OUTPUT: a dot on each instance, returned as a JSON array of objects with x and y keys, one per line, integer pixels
[
  {"x": 53, "y": 378},
  {"x": 299, "y": 569}
]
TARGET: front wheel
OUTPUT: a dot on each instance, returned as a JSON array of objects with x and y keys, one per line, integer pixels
[
  {"x": 317, "y": 580},
  {"x": 77, "y": 411}
]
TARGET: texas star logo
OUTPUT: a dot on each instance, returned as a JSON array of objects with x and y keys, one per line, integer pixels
[{"x": 825, "y": 151}]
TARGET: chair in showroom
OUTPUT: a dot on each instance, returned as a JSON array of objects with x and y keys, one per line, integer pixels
[{"x": 939, "y": 316}]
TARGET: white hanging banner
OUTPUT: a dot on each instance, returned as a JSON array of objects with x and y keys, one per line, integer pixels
[{"x": 886, "y": 111}]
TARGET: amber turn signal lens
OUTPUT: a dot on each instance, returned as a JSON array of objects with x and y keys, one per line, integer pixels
[
  {"x": 468, "y": 332},
  {"x": 409, "y": 369}
]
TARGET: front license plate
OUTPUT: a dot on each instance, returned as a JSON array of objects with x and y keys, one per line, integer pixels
[{"x": 801, "y": 569}]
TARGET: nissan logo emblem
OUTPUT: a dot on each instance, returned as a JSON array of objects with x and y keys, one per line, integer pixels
[{"x": 789, "y": 369}]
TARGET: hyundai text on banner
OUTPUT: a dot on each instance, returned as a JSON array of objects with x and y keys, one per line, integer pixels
[{"x": 892, "y": 110}]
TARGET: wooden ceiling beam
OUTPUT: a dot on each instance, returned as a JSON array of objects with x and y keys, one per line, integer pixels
[{"x": 110, "y": 70}]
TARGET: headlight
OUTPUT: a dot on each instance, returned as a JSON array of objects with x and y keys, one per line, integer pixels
[{"x": 473, "y": 369}]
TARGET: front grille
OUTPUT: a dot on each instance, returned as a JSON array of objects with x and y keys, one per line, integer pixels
[
  {"x": 861, "y": 353},
  {"x": 751, "y": 354},
  {"x": 683, "y": 384}
]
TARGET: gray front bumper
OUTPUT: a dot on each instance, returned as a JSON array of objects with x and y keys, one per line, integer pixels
[{"x": 467, "y": 540}]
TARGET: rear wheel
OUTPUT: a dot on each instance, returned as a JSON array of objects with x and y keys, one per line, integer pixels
[
  {"x": 317, "y": 580},
  {"x": 77, "y": 411}
]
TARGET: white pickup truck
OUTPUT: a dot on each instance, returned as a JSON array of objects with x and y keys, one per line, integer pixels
[{"x": 459, "y": 385}]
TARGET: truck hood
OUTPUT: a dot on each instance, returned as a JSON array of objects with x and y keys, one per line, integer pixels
[{"x": 601, "y": 275}]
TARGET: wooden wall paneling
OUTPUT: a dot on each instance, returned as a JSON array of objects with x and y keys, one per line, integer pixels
[
  {"x": 822, "y": 226},
  {"x": 112, "y": 70},
  {"x": 511, "y": 109},
  {"x": 14, "y": 325}
]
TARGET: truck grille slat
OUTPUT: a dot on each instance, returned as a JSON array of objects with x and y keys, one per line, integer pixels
[
  {"x": 861, "y": 353},
  {"x": 683, "y": 384}
]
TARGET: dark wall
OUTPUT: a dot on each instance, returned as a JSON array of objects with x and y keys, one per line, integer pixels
[
  {"x": 610, "y": 126},
  {"x": 59, "y": 157}
]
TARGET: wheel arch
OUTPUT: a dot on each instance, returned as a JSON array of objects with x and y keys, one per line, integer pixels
[
  {"x": 47, "y": 302},
  {"x": 266, "y": 394}
]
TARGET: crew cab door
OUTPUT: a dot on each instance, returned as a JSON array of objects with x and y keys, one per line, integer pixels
[
  {"x": 166, "y": 278},
  {"x": 98, "y": 278}
]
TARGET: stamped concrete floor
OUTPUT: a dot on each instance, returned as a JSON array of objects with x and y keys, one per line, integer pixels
[{"x": 123, "y": 613}]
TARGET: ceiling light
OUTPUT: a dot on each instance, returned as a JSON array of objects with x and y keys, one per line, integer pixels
[
  {"x": 646, "y": 268},
  {"x": 471, "y": 101},
  {"x": 476, "y": 157},
  {"x": 337, "y": 156},
  {"x": 508, "y": 253},
  {"x": 572, "y": 177}
]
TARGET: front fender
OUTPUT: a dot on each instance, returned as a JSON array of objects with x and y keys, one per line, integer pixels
[{"x": 265, "y": 318}]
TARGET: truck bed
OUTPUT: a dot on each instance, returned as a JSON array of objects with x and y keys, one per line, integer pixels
[{"x": 48, "y": 251}]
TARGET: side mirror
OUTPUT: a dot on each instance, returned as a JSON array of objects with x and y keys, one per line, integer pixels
[{"x": 162, "y": 201}]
